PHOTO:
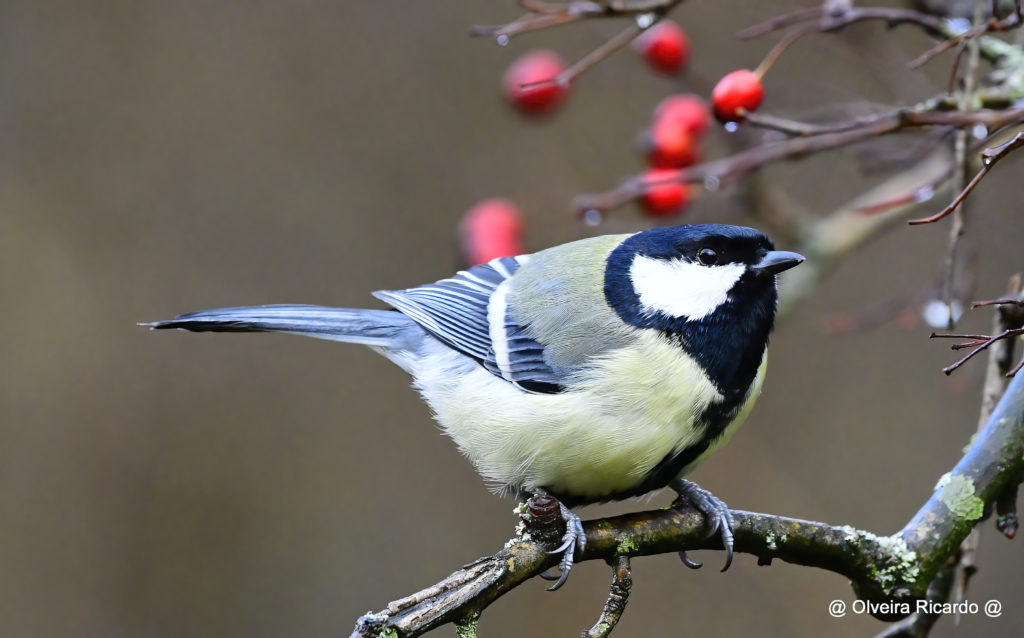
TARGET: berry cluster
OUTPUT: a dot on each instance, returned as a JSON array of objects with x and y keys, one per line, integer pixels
[
  {"x": 672, "y": 141},
  {"x": 536, "y": 84}
]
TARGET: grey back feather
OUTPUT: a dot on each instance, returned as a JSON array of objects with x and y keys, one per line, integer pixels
[{"x": 559, "y": 298}]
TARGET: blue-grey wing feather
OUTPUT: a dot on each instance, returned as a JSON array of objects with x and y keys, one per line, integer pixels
[
  {"x": 457, "y": 311},
  {"x": 527, "y": 361}
]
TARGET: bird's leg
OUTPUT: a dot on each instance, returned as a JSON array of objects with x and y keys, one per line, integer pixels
[
  {"x": 541, "y": 505},
  {"x": 574, "y": 541},
  {"x": 716, "y": 513}
]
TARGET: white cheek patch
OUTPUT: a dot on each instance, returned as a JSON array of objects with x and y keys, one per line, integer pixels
[{"x": 680, "y": 288}]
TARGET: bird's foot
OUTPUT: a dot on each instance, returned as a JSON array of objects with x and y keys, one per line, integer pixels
[
  {"x": 573, "y": 540},
  {"x": 715, "y": 511}
]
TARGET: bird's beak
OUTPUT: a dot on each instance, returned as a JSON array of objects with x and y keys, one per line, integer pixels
[{"x": 777, "y": 261}]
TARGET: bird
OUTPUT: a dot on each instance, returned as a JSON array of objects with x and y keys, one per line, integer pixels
[{"x": 593, "y": 371}]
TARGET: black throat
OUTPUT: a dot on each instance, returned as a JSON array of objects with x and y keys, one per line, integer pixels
[{"x": 728, "y": 344}]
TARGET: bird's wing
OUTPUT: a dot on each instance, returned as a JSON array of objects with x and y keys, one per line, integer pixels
[{"x": 468, "y": 312}]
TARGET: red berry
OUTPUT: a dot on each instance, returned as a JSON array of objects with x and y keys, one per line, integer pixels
[
  {"x": 736, "y": 94},
  {"x": 665, "y": 45},
  {"x": 663, "y": 200},
  {"x": 668, "y": 143},
  {"x": 673, "y": 139},
  {"x": 492, "y": 228},
  {"x": 689, "y": 109},
  {"x": 535, "y": 66}
]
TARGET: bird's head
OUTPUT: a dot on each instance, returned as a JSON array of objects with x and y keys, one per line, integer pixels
[{"x": 666, "y": 277}]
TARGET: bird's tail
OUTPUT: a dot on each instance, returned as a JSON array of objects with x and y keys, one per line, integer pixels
[{"x": 382, "y": 329}]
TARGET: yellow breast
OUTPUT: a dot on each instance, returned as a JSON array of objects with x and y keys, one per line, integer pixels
[{"x": 616, "y": 420}]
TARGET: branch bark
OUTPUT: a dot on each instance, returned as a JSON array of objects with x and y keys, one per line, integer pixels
[{"x": 890, "y": 571}]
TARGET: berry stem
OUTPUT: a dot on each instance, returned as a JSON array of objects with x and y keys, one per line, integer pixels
[{"x": 776, "y": 51}]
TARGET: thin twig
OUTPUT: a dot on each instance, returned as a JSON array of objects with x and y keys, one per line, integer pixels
[
  {"x": 835, "y": 21},
  {"x": 780, "y": 47},
  {"x": 989, "y": 158},
  {"x": 1012, "y": 21},
  {"x": 779, "y": 22},
  {"x": 956, "y": 201},
  {"x": 810, "y": 129},
  {"x": 523, "y": 24},
  {"x": 591, "y": 59},
  {"x": 947, "y": 335},
  {"x": 1016, "y": 301},
  {"x": 979, "y": 344},
  {"x": 618, "y": 596},
  {"x": 992, "y": 48},
  {"x": 1016, "y": 368},
  {"x": 543, "y": 15},
  {"x": 540, "y": 17},
  {"x": 969, "y": 344}
]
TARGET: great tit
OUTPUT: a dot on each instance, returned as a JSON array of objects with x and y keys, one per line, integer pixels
[{"x": 593, "y": 371}]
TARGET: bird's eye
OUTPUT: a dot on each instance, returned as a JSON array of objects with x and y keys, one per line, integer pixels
[{"x": 707, "y": 256}]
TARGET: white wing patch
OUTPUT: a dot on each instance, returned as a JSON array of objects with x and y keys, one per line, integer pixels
[
  {"x": 680, "y": 288},
  {"x": 496, "y": 309}
]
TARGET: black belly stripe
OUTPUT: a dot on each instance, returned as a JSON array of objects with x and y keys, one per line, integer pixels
[{"x": 659, "y": 476}]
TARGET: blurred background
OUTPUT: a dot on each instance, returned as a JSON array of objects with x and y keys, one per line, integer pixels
[{"x": 162, "y": 157}]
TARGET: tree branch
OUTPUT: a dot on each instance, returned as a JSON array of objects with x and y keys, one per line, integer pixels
[
  {"x": 813, "y": 139},
  {"x": 890, "y": 570},
  {"x": 965, "y": 495}
]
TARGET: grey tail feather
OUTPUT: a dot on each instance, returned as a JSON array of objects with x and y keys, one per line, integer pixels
[{"x": 380, "y": 328}]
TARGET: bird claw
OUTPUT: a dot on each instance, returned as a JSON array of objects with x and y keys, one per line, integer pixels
[
  {"x": 689, "y": 562},
  {"x": 573, "y": 541},
  {"x": 567, "y": 542},
  {"x": 716, "y": 513}
]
